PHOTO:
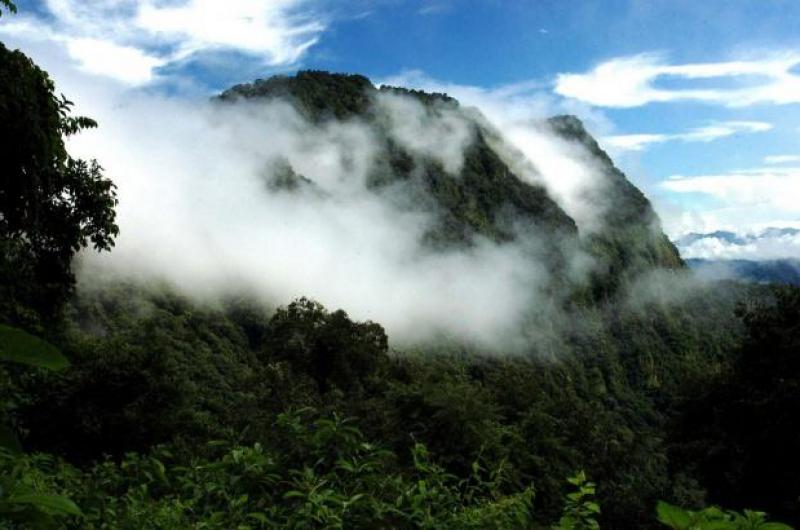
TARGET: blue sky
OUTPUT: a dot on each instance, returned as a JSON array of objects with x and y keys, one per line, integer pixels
[{"x": 698, "y": 101}]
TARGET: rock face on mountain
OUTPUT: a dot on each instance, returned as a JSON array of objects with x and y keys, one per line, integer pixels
[{"x": 483, "y": 197}]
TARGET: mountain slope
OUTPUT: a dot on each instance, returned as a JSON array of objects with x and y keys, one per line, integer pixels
[
  {"x": 484, "y": 196},
  {"x": 629, "y": 239},
  {"x": 473, "y": 201}
]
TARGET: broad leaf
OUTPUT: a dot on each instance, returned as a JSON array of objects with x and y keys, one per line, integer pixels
[
  {"x": 20, "y": 347},
  {"x": 9, "y": 440},
  {"x": 673, "y": 516},
  {"x": 52, "y": 503}
]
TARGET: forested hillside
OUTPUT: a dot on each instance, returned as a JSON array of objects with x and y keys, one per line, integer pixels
[{"x": 632, "y": 389}]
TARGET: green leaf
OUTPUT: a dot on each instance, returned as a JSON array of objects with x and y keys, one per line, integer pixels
[
  {"x": 258, "y": 516},
  {"x": 9, "y": 440},
  {"x": 593, "y": 507},
  {"x": 774, "y": 526},
  {"x": 673, "y": 516},
  {"x": 51, "y": 503},
  {"x": 9, "y": 5},
  {"x": 20, "y": 347}
]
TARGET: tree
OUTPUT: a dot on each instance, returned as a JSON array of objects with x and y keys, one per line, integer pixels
[
  {"x": 741, "y": 432},
  {"x": 330, "y": 347},
  {"x": 8, "y": 4},
  {"x": 51, "y": 205}
]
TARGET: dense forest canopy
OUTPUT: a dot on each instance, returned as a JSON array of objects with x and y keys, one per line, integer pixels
[{"x": 130, "y": 404}]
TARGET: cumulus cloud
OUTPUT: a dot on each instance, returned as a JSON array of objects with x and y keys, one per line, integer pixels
[
  {"x": 767, "y": 245},
  {"x": 124, "y": 63},
  {"x": 741, "y": 200},
  {"x": 632, "y": 81},
  {"x": 708, "y": 133},
  {"x": 128, "y": 40}
]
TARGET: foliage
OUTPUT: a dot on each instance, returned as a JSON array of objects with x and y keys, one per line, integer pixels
[
  {"x": 580, "y": 509},
  {"x": 333, "y": 479},
  {"x": 20, "y": 347},
  {"x": 714, "y": 518},
  {"x": 25, "y": 491},
  {"x": 739, "y": 432},
  {"x": 51, "y": 205},
  {"x": 172, "y": 414},
  {"x": 8, "y": 4},
  {"x": 329, "y": 347}
]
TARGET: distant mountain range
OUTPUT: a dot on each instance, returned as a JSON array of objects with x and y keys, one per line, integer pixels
[
  {"x": 769, "y": 256},
  {"x": 783, "y": 271},
  {"x": 736, "y": 239}
]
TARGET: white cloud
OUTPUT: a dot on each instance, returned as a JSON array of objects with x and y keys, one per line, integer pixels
[
  {"x": 434, "y": 8},
  {"x": 631, "y": 81},
  {"x": 565, "y": 169},
  {"x": 196, "y": 212},
  {"x": 125, "y": 63},
  {"x": 438, "y": 132},
  {"x": 781, "y": 159},
  {"x": 127, "y": 40},
  {"x": 635, "y": 142},
  {"x": 265, "y": 28},
  {"x": 766, "y": 247},
  {"x": 739, "y": 200},
  {"x": 777, "y": 187},
  {"x": 709, "y": 133}
]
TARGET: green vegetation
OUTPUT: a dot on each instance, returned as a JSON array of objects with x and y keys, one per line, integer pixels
[
  {"x": 51, "y": 205},
  {"x": 145, "y": 410}
]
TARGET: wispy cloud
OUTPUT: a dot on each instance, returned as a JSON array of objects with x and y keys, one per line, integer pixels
[
  {"x": 776, "y": 187},
  {"x": 129, "y": 40},
  {"x": 631, "y": 81},
  {"x": 519, "y": 110},
  {"x": 708, "y": 133},
  {"x": 781, "y": 159},
  {"x": 434, "y": 8}
]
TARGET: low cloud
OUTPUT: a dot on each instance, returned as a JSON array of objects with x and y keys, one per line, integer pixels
[
  {"x": 197, "y": 211},
  {"x": 520, "y": 110},
  {"x": 741, "y": 201},
  {"x": 767, "y": 245},
  {"x": 440, "y": 131}
]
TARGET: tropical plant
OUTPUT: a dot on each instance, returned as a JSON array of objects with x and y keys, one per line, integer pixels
[
  {"x": 714, "y": 518},
  {"x": 26, "y": 494},
  {"x": 580, "y": 508}
]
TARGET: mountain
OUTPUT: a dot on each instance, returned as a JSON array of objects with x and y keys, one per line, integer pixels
[
  {"x": 693, "y": 237},
  {"x": 630, "y": 240},
  {"x": 485, "y": 196},
  {"x": 781, "y": 271},
  {"x": 766, "y": 256},
  {"x": 732, "y": 245},
  {"x": 235, "y": 414}
]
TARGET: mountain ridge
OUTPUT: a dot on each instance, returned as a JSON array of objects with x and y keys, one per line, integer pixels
[{"x": 486, "y": 192}]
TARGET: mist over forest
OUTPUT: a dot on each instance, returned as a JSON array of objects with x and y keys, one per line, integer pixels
[{"x": 317, "y": 300}]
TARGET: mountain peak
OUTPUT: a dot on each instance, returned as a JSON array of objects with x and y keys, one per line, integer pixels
[{"x": 484, "y": 197}]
